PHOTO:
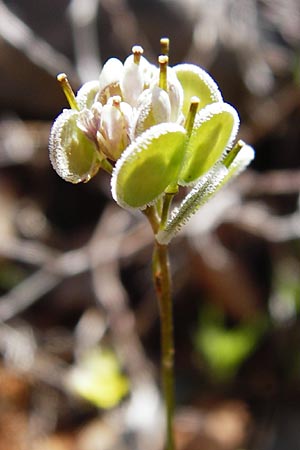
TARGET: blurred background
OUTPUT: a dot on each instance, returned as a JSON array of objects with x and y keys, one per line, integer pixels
[{"x": 79, "y": 330}]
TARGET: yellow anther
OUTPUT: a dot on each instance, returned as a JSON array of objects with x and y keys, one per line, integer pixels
[
  {"x": 137, "y": 51},
  {"x": 165, "y": 46}
]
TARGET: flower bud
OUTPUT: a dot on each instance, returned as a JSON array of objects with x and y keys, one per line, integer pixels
[
  {"x": 89, "y": 121},
  {"x": 115, "y": 127}
]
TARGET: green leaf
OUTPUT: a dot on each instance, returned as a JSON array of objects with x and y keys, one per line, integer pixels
[
  {"x": 197, "y": 82},
  {"x": 149, "y": 165},
  {"x": 214, "y": 131},
  {"x": 73, "y": 156}
]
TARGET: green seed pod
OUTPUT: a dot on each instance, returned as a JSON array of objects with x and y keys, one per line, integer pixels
[
  {"x": 215, "y": 128},
  {"x": 202, "y": 192},
  {"x": 87, "y": 94},
  {"x": 73, "y": 156},
  {"x": 196, "y": 82},
  {"x": 221, "y": 173},
  {"x": 148, "y": 166}
]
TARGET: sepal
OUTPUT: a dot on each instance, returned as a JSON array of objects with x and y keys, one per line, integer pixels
[
  {"x": 109, "y": 80},
  {"x": 132, "y": 82},
  {"x": 154, "y": 107}
]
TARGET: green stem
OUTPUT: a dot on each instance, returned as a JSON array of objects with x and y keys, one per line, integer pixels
[
  {"x": 166, "y": 209},
  {"x": 106, "y": 165},
  {"x": 151, "y": 214},
  {"x": 162, "y": 282}
]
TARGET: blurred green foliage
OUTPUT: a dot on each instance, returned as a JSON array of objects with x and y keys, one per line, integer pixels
[{"x": 223, "y": 347}]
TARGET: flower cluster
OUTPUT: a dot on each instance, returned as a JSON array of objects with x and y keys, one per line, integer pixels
[{"x": 154, "y": 128}]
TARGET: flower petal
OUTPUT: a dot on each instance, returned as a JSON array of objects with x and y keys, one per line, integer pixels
[
  {"x": 132, "y": 82},
  {"x": 111, "y": 73}
]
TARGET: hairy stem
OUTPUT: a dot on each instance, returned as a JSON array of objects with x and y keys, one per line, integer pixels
[{"x": 162, "y": 282}]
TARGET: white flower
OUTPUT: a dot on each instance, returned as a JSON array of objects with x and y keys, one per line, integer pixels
[{"x": 114, "y": 132}]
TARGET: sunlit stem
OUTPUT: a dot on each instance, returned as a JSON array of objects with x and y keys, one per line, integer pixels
[
  {"x": 67, "y": 90},
  {"x": 159, "y": 206},
  {"x": 165, "y": 46},
  {"x": 162, "y": 282},
  {"x": 233, "y": 153},
  {"x": 151, "y": 213},
  {"x": 137, "y": 51},
  {"x": 106, "y": 165},
  {"x": 163, "y": 61},
  {"x": 165, "y": 209},
  {"x": 189, "y": 123},
  {"x": 171, "y": 190}
]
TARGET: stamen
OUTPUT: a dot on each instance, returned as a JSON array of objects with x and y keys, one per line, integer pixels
[
  {"x": 233, "y": 153},
  {"x": 137, "y": 51},
  {"x": 163, "y": 61},
  {"x": 189, "y": 123},
  {"x": 67, "y": 90},
  {"x": 165, "y": 46}
]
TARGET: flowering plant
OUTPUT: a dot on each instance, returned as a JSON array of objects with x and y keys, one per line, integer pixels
[{"x": 154, "y": 129}]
